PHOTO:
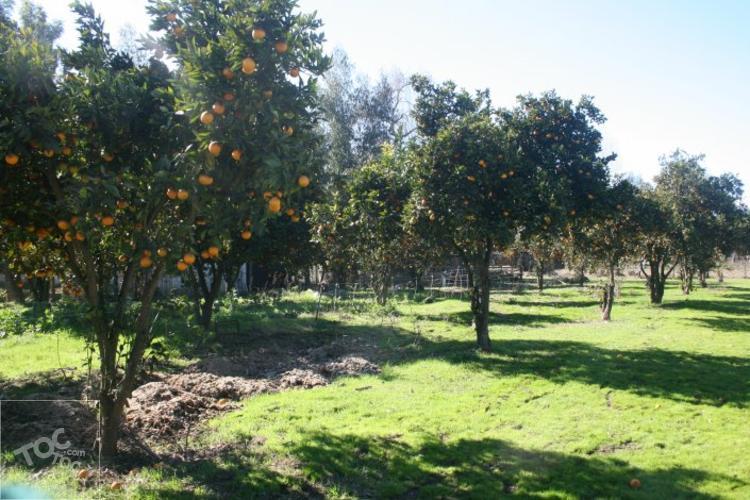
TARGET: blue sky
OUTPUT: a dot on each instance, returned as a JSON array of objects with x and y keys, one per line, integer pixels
[{"x": 666, "y": 74}]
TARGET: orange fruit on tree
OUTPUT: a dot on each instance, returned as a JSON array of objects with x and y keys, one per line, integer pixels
[
  {"x": 268, "y": 94},
  {"x": 281, "y": 46},
  {"x": 171, "y": 193},
  {"x": 205, "y": 180},
  {"x": 205, "y": 255},
  {"x": 182, "y": 194},
  {"x": 68, "y": 236},
  {"x": 11, "y": 159},
  {"x": 248, "y": 65},
  {"x": 274, "y": 204},
  {"x": 80, "y": 236},
  {"x": 162, "y": 252},
  {"x": 49, "y": 153},
  {"x": 236, "y": 154},
  {"x": 294, "y": 72},
  {"x": 229, "y": 96},
  {"x": 178, "y": 30},
  {"x": 471, "y": 178},
  {"x": 303, "y": 181},
  {"x": 67, "y": 151},
  {"x": 107, "y": 156},
  {"x": 108, "y": 220},
  {"x": 246, "y": 235},
  {"x": 207, "y": 118},
  {"x": 63, "y": 225},
  {"x": 482, "y": 164},
  {"x": 214, "y": 148},
  {"x": 171, "y": 17},
  {"x": 122, "y": 204},
  {"x": 295, "y": 218},
  {"x": 258, "y": 34},
  {"x": 218, "y": 108},
  {"x": 213, "y": 251},
  {"x": 228, "y": 73},
  {"x": 289, "y": 211},
  {"x": 635, "y": 483},
  {"x": 189, "y": 258},
  {"x": 287, "y": 129},
  {"x": 146, "y": 262},
  {"x": 181, "y": 266},
  {"x": 74, "y": 220},
  {"x": 267, "y": 195}
]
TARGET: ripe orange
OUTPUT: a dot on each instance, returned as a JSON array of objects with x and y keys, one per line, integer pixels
[
  {"x": 108, "y": 157},
  {"x": 11, "y": 159},
  {"x": 49, "y": 153},
  {"x": 63, "y": 225},
  {"x": 171, "y": 17},
  {"x": 246, "y": 235},
  {"x": 207, "y": 118},
  {"x": 635, "y": 483},
  {"x": 268, "y": 94},
  {"x": 181, "y": 266},
  {"x": 178, "y": 30},
  {"x": 74, "y": 220},
  {"x": 287, "y": 129},
  {"x": 289, "y": 211},
  {"x": 236, "y": 154},
  {"x": 482, "y": 164},
  {"x": 189, "y": 258},
  {"x": 162, "y": 252},
  {"x": 214, "y": 148},
  {"x": 281, "y": 46},
  {"x": 267, "y": 195},
  {"x": 294, "y": 72},
  {"x": 218, "y": 108},
  {"x": 205, "y": 180},
  {"x": 67, "y": 151},
  {"x": 122, "y": 204},
  {"x": 229, "y": 96},
  {"x": 205, "y": 255},
  {"x": 274, "y": 204},
  {"x": 108, "y": 220},
  {"x": 213, "y": 251},
  {"x": 228, "y": 73},
  {"x": 303, "y": 181},
  {"x": 171, "y": 193},
  {"x": 248, "y": 65},
  {"x": 146, "y": 262},
  {"x": 295, "y": 218},
  {"x": 80, "y": 236},
  {"x": 182, "y": 194},
  {"x": 259, "y": 34}
]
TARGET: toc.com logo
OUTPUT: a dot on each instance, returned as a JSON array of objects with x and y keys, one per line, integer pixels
[{"x": 51, "y": 447}]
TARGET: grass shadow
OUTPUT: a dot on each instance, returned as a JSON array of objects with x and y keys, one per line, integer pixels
[{"x": 732, "y": 307}]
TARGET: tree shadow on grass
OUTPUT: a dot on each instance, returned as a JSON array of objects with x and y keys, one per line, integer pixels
[
  {"x": 555, "y": 304},
  {"x": 680, "y": 376},
  {"x": 386, "y": 467},
  {"x": 725, "y": 324},
  {"x": 513, "y": 318},
  {"x": 733, "y": 307}
]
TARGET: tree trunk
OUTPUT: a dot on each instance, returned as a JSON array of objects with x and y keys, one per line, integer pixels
[
  {"x": 702, "y": 277},
  {"x": 608, "y": 296},
  {"x": 480, "y": 302},
  {"x": 686, "y": 275},
  {"x": 581, "y": 276},
  {"x": 15, "y": 293},
  {"x": 540, "y": 275}
]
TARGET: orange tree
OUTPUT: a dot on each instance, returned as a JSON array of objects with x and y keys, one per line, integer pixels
[
  {"x": 486, "y": 175},
  {"x": 27, "y": 105},
  {"x": 247, "y": 83},
  {"x": 610, "y": 235},
  {"x": 372, "y": 221},
  {"x": 98, "y": 149}
]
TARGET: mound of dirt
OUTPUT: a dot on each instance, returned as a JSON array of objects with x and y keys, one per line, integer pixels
[
  {"x": 213, "y": 386},
  {"x": 349, "y": 365},
  {"x": 306, "y": 379}
]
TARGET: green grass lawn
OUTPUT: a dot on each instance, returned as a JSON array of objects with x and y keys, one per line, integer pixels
[{"x": 564, "y": 407}]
